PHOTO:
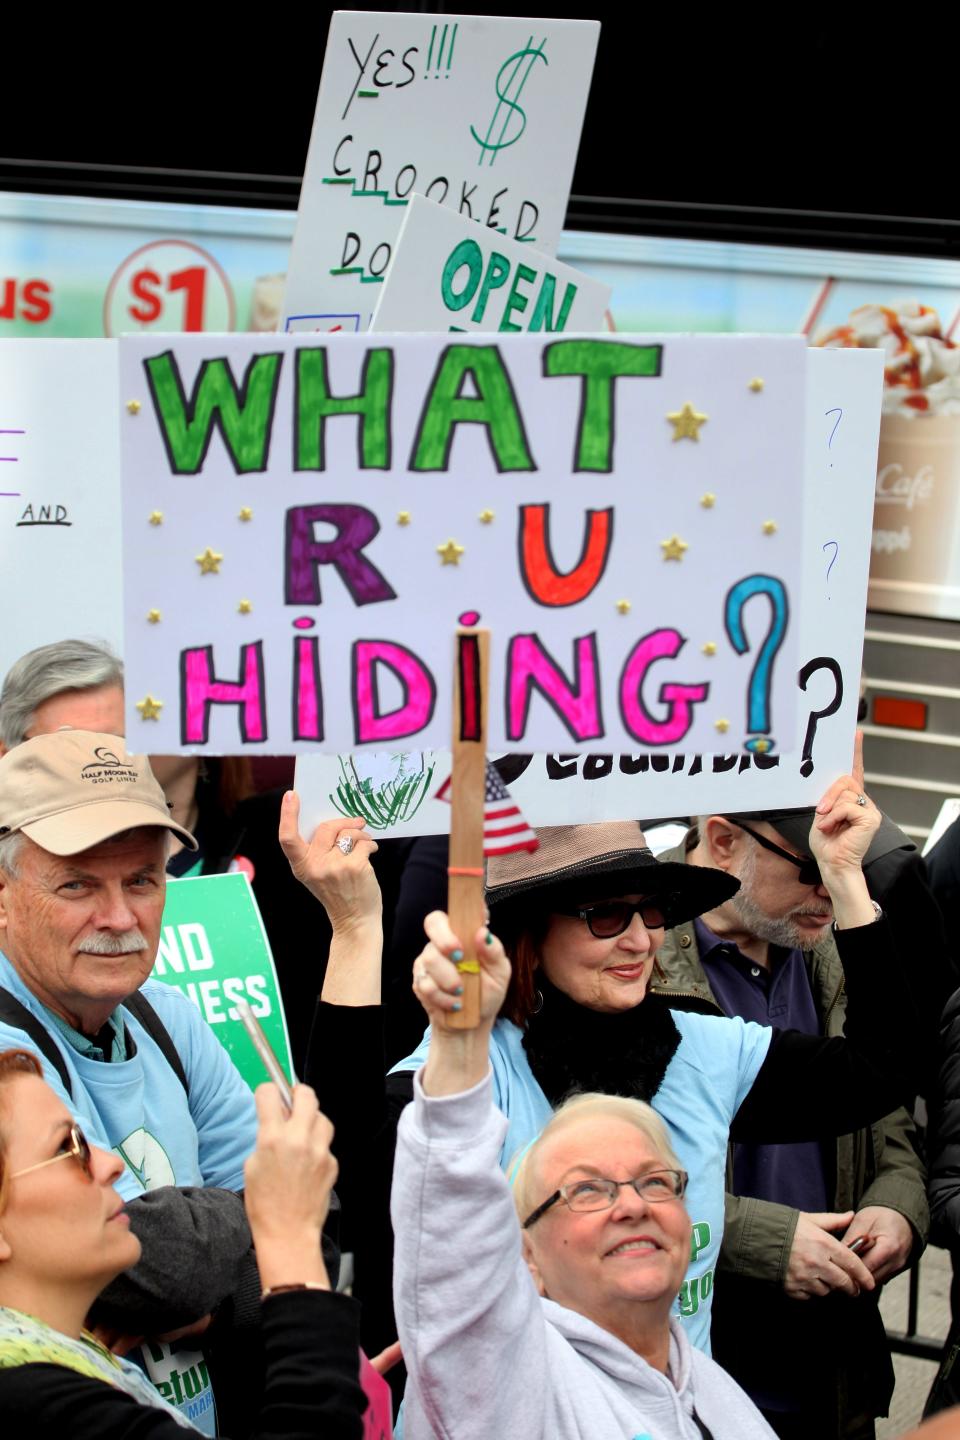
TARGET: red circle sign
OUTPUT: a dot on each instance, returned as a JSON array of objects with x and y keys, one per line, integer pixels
[{"x": 169, "y": 285}]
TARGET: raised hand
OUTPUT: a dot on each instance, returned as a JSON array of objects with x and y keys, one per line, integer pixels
[
  {"x": 288, "y": 1180},
  {"x": 344, "y": 883},
  {"x": 846, "y": 820}
]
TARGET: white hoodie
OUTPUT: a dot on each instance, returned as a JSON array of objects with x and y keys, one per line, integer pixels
[{"x": 487, "y": 1358}]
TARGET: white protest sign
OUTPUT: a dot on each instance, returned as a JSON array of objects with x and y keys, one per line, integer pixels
[
  {"x": 448, "y": 274},
  {"x": 395, "y": 794},
  {"x": 479, "y": 113},
  {"x": 59, "y": 494},
  {"x": 330, "y": 511}
]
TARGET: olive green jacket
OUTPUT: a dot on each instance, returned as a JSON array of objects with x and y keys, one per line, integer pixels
[{"x": 874, "y": 1166}]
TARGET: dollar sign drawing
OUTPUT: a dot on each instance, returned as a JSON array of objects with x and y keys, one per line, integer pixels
[{"x": 508, "y": 94}]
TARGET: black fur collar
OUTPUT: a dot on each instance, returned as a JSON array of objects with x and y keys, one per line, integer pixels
[{"x": 573, "y": 1049}]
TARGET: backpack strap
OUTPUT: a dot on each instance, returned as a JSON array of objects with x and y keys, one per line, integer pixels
[
  {"x": 140, "y": 1007},
  {"x": 15, "y": 1014}
]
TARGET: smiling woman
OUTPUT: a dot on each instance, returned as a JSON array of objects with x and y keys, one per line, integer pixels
[{"x": 588, "y": 1348}]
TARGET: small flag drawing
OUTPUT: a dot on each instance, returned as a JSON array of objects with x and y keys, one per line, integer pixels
[{"x": 504, "y": 828}]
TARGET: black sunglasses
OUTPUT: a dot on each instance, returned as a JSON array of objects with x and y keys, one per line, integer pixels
[
  {"x": 808, "y": 871},
  {"x": 609, "y": 918}
]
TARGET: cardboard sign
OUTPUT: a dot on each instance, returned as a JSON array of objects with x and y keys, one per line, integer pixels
[
  {"x": 395, "y": 793},
  {"x": 59, "y": 494},
  {"x": 448, "y": 274},
  {"x": 477, "y": 113},
  {"x": 307, "y": 522},
  {"x": 214, "y": 948}
]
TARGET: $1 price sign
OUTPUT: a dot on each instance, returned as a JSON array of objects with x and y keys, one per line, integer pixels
[{"x": 169, "y": 285}]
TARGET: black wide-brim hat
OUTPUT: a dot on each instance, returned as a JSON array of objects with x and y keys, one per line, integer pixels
[{"x": 590, "y": 862}]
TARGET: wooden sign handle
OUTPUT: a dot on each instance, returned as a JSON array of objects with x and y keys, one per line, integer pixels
[{"x": 465, "y": 875}]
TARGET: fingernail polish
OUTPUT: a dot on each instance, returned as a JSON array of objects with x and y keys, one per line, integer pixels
[
  {"x": 489, "y": 938},
  {"x": 459, "y": 990},
  {"x": 457, "y": 1005},
  {"x": 456, "y": 955}
]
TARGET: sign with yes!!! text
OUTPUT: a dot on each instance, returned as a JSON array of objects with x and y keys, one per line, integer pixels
[
  {"x": 478, "y": 113},
  {"x": 307, "y": 522}
]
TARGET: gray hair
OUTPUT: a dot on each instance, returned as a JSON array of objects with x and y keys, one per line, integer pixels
[
  {"x": 10, "y": 847},
  {"x": 48, "y": 671}
]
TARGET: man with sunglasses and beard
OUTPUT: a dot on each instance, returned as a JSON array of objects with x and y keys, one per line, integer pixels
[{"x": 791, "y": 1323}]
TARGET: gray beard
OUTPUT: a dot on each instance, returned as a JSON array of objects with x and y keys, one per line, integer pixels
[{"x": 776, "y": 931}]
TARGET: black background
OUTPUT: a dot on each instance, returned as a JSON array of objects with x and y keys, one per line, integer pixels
[{"x": 774, "y": 124}]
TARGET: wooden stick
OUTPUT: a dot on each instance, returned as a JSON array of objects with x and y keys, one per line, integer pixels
[{"x": 465, "y": 882}]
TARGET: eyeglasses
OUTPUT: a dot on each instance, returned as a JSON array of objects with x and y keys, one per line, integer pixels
[
  {"x": 612, "y": 917},
  {"x": 79, "y": 1150},
  {"x": 808, "y": 871},
  {"x": 582, "y": 1196}
]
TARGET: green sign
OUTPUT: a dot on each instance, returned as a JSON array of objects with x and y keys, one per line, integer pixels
[{"x": 214, "y": 948}]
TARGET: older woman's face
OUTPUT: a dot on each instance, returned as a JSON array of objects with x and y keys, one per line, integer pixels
[
  {"x": 603, "y": 1263},
  {"x": 59, "y": 1227},
  {"x": 607, "y": 975}
]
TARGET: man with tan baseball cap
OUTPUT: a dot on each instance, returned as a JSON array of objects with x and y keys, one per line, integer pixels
[{"x": 84, "y": 832}]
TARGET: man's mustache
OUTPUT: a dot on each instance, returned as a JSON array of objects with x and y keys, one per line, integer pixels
[{"x": 107, "y": 942}]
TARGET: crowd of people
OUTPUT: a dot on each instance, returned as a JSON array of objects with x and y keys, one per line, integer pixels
[{"x": 654, "y": 1195}]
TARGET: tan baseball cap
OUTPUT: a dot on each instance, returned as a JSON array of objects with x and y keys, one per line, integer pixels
[{"x": 76, "y": 788}]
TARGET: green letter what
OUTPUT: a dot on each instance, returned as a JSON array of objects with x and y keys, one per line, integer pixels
[
  {"x": 243, "y": 416},
  {"x": 494, "y": 405},
  {"x": 600, "y": 362}
]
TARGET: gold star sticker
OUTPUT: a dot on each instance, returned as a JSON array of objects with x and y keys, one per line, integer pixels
[
  {"x": 450, "y": 552},
  {"x": 623, "y": 606},
  {"x": 710, "y": 648},
  {"x": 761, "y": 746},
  {"x": 769, "y": 527},
  {"x": 756, "y": 385},
  {"x": 209, "y": 562},
  {"x": 673, "y": 548},
  {"x": 153, "y": 616},
  {"x": 149, "y": 708},
  {"x": 404, "y": 517},
  {"x": 245, "y": 513},
  {"x": 709, "y": 500},
  {"x": 156, "y": 517},
  {"x": 134, "y": 407},
  {"x": 686, "y": 422},
  {"x": 722, "y": 725},
  {"x": 486, "y": 516},
  {"x": 244, "y": 607}
]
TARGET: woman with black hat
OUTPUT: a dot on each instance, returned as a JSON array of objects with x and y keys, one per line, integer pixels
[{"x": 581, "y": 920}]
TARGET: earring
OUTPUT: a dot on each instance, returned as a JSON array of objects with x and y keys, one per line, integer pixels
[{"x": 538, "y": 1005}]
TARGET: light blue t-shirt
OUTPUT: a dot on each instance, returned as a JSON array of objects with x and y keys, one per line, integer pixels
[
  {"x": 138, "y": 1107},
  {"x": 704, "y": 1086}
]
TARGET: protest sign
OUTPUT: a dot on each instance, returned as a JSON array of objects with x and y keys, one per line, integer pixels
[
  {"x": 59, "y": 494},
  {"x": 306, "y": 523},
  {"x": 479, "y": 113},
  {"x": 214, "y": 949},
  {"x": 448, "y": 274},
  {"x": 395, "y": 794}
]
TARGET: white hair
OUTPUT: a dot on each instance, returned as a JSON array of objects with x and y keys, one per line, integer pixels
[
  {"x": 48, "y": 671},
  {"x": 587, "y": 1107},
  {"x": 10, "y": 847}
]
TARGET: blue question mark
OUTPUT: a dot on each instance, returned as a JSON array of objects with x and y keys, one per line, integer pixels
[{"x": 761, "y": 676}]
